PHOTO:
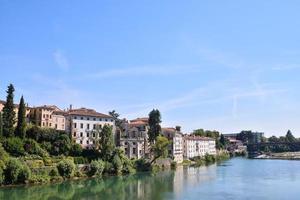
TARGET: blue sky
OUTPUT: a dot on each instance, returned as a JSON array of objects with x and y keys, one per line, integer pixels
[{"x": 223, "y": 65}]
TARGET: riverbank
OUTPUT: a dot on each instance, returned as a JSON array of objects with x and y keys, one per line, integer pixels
[{"x": 280, "y": 156}]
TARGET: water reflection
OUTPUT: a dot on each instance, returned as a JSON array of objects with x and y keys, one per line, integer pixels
[
  {"x": 166, "y": 184},
  {"x": 234, "y": 179}
]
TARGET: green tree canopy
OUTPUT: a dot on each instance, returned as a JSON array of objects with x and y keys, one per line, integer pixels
[
  {"x": 9, "y": 113},
  {"x": 154, "y": 124},
  {"x": 160, "y": 148},
  {"x": 289, "y": 137},
  {"x": 106, "y": 142},
  {"x": 21, "y": 124},
  {"x": 1, "y": 125}
]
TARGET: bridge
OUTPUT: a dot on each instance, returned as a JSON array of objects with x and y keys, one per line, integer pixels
[{"x": 256, "y": 149}]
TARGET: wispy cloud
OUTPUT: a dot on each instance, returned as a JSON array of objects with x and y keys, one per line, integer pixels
[
  {"x": 61, "y": 60},
  {"x": 150, "y": 70}
]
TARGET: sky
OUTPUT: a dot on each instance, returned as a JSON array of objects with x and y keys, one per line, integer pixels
[{"x": 218, "y": 65}]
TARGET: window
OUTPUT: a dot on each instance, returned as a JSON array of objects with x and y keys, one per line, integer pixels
[
  {"x": 87, "y": 142},
  {"x": 112, "y": 120},
  {"x": 50, "y": 124},
  {"x": 55, "y": 126},
  {"x": 133, "y": 151},
  {"x": 106, "y": 120},
  {"x": 75, "y": 117},
  {"x": 88, "y": 118},
  {"x": 87, "y": 135},
  {"x": 133, "y": 143},
  {"x": 88, "y": 126},
  {"x": 100, "y": 119},
  {"x": 80, "y": 141},
  {"x": 94, "y": 134},
  {"x": 94, "y": 119},
  {"x": 43, "y": 115},
  {"x": 94, "y": 126},
  {"x": 94, "y": 142},
  {"x": 74, "y": 134},
  {"x": 81, "y": 125},
  {"x": 81, "y": 134},
  {"x": 75, "y": 125},
  {"x": 81, "y": 118},
  {"x": 43, "y": 123}
]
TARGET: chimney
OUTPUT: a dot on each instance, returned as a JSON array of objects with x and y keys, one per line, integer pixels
[
  {"x": 71, "y": 106},
  {"x": 178, "y": 128}
]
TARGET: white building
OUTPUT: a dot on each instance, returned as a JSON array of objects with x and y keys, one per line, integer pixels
[
  {"x": 82, "y": 122},
  {"x": 176, "y": 146},
  {"x": 198, "y": 146},
  {"x": 134, "y": 139}
]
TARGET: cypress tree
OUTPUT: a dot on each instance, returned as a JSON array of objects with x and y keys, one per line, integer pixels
[
  {"x": 154, "y": 125},
  {"x": 9, "y": 113},
  {"x": 1, "y": 125},
  {"x": 21, "y": 125}
]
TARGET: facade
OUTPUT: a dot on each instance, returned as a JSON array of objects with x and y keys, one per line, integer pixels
[
  {"x": 134, "y": 139},
  {"x": 83, "y": 122},
  {"x": 16, "y": 109},
  {"x": 49, "y": 117},
  {"x": 198, "y": 146},
  {"x": 176, "y": 147}
]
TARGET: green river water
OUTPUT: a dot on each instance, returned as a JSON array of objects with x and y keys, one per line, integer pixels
[{"x": 233, "y": 179}]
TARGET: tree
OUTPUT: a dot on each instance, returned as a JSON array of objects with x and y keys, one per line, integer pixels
[
  {"x": 1, "y": 125},
  {"x": 119, "y": 125},
  {"x": 154, "y": 124},
  {"x": 9, "y": 113},
  {"x": 160, "y": 148},
  {"x": 106, "y": 142},
  {"x": 21, "y": 125},
  {"x": 223, "y": 141},
  {"x": 289, "y": 137}
]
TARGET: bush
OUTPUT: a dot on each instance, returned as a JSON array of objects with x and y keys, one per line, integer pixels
[
  {"x": 66, "y": 168},
  {"x": 32, "y": 147},
  {"x": 117, "y": 164},
  {"x": 76, "y": 150},
  {"x": 108, "y": 167},
  {"x": 14, "y": 146},
  {"x": 80, "y": 160},
  {"x": 54, "y": 172},
  {"x": 173, "y": 165},
  {"x": 142, "y": 165},
  {"x": 2, "y": 168},
  {"x": 3, "y": 154},
  {"x": 97, "y": 167},
  {"x": 39, "y": 179},
  {"x": 16, "y": 172},
  {"x": 24, "y": 174}
]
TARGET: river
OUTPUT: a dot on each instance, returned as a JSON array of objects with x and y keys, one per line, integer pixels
[{"x": 233, "y": 179}]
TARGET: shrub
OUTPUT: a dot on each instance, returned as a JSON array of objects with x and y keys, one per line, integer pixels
[
  {"x": 16, "y": 172},
  {"x": 14, "y": 146},
  {"x": 76, "y": 150},
  {"x": 2, "y": 167},
  {"x": 173, "y": 165},
  {"x": 80, "y": 160},
  {"x": 142, "y": 165},
  {"x": 32, "y": 147},
  {"x": 108, "y": 167},
  {"x": 3, "y": 154},
  {"x": 97, "y": 167},
  {"x": 117, "y": 164},
  {"x": 66, "y": 168},
  {"x": 54, "y": 172},
  {"x": 24, "y": 174},
  {"x": 39, "y": 179}
]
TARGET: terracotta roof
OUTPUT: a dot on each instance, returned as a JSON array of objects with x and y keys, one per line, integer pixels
[
  {"x": 191, "y": 137},
  {"x": 87, "y": 112},
  {"x": 138, "y": 123},
  {"x": 143, "y": 119},
  {"x": 15, "y": 105},
  {"x": 49, "y": 107},
  {"x": 59, "y": 112}
]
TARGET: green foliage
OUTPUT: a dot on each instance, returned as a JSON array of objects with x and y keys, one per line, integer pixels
[
  {"x": 2, "y": 168},
  {"x": 76, "y": 150},
  {"x": 66, "y": 168},
  {"x": 3, "y": 154},
  {"x": 14, "y": 146},
  {"x": 142, "y": 165},
  {"x": 21, "y": 123},
  {"x": 80, "y": 160},
  {"x": 160, "y": 148},
  {"x": 107, "y": 144},
  {"x": 97, "y": 167},
  {"x": 1, "y": 125},
  {"x": 173, "y": 165},
  {"x": 16, "y": 172},
  {"x": 289, "y": 137},
  {"x": 32, "y": 147},
  {"x": 54, "y": 172},
  {"x": 206, "y": 133},
  {"x": 55, "y": 142},
  {"x": 117, "y": 164},
  {"x": 154, "y": 125},
  {"x": 9, "y": 113}
]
